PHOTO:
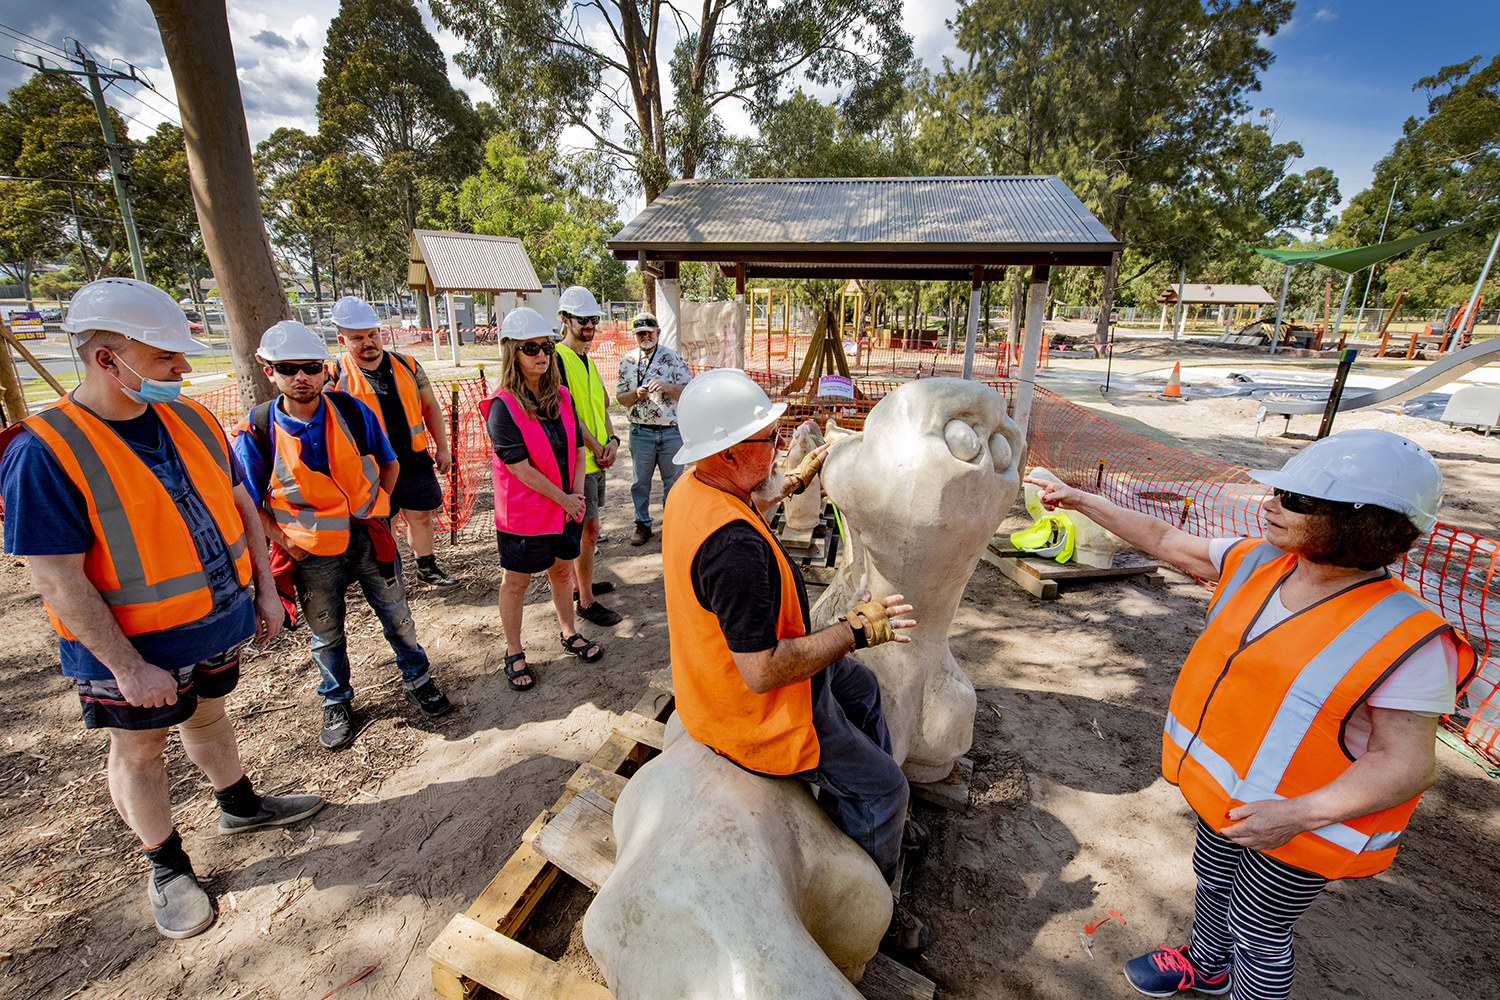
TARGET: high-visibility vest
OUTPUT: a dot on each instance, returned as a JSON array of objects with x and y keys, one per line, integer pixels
[
  {"x": 143, "y": 561},
  {"x": 1264, "y": 718},
  {"x": 350, "y": 378},
  {"x": 313, "y": 509},
  {"x": 519, "y": 509},
  {"x": 773, "y": 732},
  {"x": 587, "y": 386}
]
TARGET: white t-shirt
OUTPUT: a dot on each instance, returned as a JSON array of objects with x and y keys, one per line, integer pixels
[{"x": 1424, "y": 685}]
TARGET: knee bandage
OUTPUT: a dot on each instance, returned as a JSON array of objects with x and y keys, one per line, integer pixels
[{"x": 208, "y": 724}]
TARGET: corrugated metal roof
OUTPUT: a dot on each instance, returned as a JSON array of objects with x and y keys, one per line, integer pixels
[
  {"x": 471, "y": 262},
  {"x": 1218, "y": 295},
  {"x": 725, "y": 219}
]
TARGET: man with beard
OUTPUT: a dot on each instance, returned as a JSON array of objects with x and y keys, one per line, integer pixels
[
  {"x": 651, "y": 379},
  {"x": 321, "y": 470},
  {"x": 397, "y": 389},
  {"x": 751, "y": 682}
]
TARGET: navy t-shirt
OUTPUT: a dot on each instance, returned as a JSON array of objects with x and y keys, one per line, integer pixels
[
  {"x": 736, "y": 576},
  {"x": 510, "y": 444},
  {"x": 45, "y": 514}
]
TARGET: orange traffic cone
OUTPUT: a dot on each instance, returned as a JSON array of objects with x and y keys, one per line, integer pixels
[{"x": 1174, "y": 384}]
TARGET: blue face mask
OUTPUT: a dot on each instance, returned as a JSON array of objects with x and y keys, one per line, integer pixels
[{"x": 151, "y": 390}]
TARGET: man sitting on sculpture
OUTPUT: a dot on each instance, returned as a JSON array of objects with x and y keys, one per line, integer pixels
[{"x": 751, "y": 683}]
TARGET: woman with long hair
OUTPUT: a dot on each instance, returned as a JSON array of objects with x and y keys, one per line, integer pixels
[
  {"x": 538, "y": 471},
  {"x": 1302, "y": 725}
]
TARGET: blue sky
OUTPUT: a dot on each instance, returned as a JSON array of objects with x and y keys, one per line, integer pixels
[{"x": 1340, "y": 85}]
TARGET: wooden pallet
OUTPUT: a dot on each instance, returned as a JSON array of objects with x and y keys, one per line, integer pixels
[
  {"x": 1040, "y": 577},
  {"x": 478, "y": 948}
]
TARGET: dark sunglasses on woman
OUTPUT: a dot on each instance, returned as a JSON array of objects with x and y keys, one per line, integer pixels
[
  {"x": 531, "y": 350},
  {"x": 1301, "y": 503},
  {"x": 292, "y": 367}
]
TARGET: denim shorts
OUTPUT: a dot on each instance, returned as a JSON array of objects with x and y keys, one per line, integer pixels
[
  {"x": 104, "y": 707},
  {"x": 537, "y": 553}
]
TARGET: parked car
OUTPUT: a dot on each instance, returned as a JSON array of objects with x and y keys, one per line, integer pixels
[
  {"x": 51, "y": 314},
  {"x": 192, "y": 315}
]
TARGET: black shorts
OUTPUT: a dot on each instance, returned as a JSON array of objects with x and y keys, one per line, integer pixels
[
  {"x": 417, "y": 490},
  {"x": 105, "y": 708},
  {"x": 537, "y": 553}
]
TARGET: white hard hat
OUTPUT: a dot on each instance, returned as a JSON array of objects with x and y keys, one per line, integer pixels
[
  {"x": 1365, "y": 466},
  {"x": 578, "y": 301},
  {"x": 291, "y": 341},
  {"x": 353, "y": 313},
  {"x": 524, "y": 323},
  {"x": 139, "y": 311},
  {"x": 645, "y": 321},
  {"x": 718, "y": 409}
]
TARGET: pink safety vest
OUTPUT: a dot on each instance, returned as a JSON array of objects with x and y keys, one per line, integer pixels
[{"x": 519, "y": 509}]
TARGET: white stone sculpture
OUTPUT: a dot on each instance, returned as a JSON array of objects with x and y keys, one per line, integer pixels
[
  {"x": 921, "y": 490},
  {"x": 731, "y": 884},
  {"x": 804, "y": 509},
  {"x": 1093, "y": 545}
]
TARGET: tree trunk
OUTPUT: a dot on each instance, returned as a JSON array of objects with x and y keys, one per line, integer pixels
[
  {"x": 195, "y": 35},
  {"x": 424, "y": 310},
  {"x": 312, "y": 256},
  {"x": 1107, "y": 299},
  {"x": 26, "y": 283}
]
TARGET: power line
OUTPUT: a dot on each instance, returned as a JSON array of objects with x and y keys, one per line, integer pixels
[{"x": 22, "y": 36}]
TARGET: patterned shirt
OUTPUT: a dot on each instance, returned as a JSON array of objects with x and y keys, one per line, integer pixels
[{"x": 654, "y": 409}]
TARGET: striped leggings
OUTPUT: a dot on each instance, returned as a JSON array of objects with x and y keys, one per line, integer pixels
[{"x": 1245, "y": 907}]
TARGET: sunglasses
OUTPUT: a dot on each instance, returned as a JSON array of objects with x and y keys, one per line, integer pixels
[
  {"x": 775, "y": 437},
  {"x": 1301, "y": 503},
  {"x": 583, "y": 320},
  {"x": 292, "y": 368},
  {"x": 531, "y": 350},
  {"x": 642, "y": 331}
]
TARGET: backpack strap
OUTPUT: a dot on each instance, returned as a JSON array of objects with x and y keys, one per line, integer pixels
[{"x": 260, "y": 429}]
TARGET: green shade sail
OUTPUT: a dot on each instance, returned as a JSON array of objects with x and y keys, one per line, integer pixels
[{"x": 1358, "y": 258}]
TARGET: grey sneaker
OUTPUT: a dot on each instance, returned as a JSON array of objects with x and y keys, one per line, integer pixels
[
  {"x": 180, "y": 906},
  {"x": 338, "y": 725},
  {"x": 275, "y": 810}
]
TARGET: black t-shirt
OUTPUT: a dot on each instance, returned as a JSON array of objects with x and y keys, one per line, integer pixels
[
  {"x": 383, "y": 381},
  {"x": 505, "y": 435},
  {"x": 735, "y": 575}
]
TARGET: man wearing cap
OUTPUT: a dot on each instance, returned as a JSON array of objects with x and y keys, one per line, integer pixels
[
  {"x": 651, "y": 379},
  {"x": 321, "y": 470},
  {"x": 752, "y": 682},
  {"x": 129, "y": 508},
  {"x": 580, "y": 313},
  {"x": 397, "y": 388}
]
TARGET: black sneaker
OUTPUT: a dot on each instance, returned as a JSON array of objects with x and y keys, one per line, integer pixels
[
  {"x": 598, "y": 614},
  {"x": 602, "y": 587},
  {"x": 338, "y": 725},
  {"x": 429, "y": 699},
  {"x": 914, "y": 837},
  {"x": 907, "y": 937},
  {"x": 275, "y": 810},
  {"x": 434, "y": 576}
]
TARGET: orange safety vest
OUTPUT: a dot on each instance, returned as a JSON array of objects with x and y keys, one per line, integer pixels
[
  {"x": 350, "y": 378},
  {"x": 773, "y": 732},
  {"x": 313, "y": 509},
  {"x": 143, "y": 561},
  {"x": 1264, "y": 718}
]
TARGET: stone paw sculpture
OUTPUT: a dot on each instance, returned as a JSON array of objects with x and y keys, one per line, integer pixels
[
  {"x": 804, "y": 509},
  {"x": 1092, "y": 545},
  {"x": 731, "y": 884},
  {"x": 922, "y": 489}
]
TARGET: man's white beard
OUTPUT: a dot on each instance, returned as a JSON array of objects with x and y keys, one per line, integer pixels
[{"x": 770, "y": 488}]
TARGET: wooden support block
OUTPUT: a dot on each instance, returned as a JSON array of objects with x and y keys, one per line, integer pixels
[
  {"x": 581, "y": 839},
  {"x": 654, "y": 702},
  {"x": 953, "y": 791},
  {"x": 470, "y": 949},
  {"x": 887, "y": 979},
  {"x": 615, "y": 752},
  {"x": 597, "y": 780},
  {"x": 792, "y": 538},
  {"x": 642, "y": 729},
  {"x": 1045, "y": 590}
]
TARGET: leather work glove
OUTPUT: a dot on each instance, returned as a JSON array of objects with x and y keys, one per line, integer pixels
[
  {"x": 812, "y": 464},
  {"x": 871, "y": 624}
]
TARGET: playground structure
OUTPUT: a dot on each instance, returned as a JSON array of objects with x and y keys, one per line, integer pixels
[
  {"x": 776, "y": 301},
  {"x": 1439, "y": 373}
]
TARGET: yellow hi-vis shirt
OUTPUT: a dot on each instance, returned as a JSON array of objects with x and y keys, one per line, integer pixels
[{"x": 584, "y": 382}]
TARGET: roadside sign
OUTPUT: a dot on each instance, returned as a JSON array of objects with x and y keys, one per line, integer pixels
[{"x": 27, "y": 326}]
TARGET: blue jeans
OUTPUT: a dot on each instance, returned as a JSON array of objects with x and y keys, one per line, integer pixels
[
  {"x": 324, "y": 580},
  {"x": 652, "y": 448}
]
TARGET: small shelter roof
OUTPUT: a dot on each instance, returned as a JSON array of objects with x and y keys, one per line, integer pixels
[
  {"x": 904, "y": 227},
  {"x": 1217, "y": 295},
  {"x": 469, "y": 262}
]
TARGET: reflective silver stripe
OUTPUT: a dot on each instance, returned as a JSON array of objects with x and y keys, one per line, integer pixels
[
  {"x": 1254, "y": 559},
  {"x": 420, "y": 427},
  {"x": 238, "y": 547},
  {"x": 371, "y": 471},
  {"x": 193, "y": 417},
  {"x": 151, "y": 593},
  {"x": 308, "y": 518},
  {"x": 1316, "y": 681},
  {"x": 118, "y": 536}
]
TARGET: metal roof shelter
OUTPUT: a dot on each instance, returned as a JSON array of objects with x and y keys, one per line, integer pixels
[
  {"x": 929, "y": 228},
  {"x": 467, "y": 262},
  {"x": 1217, "y": 295}
]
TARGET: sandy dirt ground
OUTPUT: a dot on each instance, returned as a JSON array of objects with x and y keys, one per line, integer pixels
[{"x": 1069, "y": 815}]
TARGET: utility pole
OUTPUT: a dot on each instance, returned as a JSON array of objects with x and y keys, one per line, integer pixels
[{"x": 90, "y": 69}]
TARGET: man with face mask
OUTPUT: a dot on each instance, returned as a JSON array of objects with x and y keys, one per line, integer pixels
[
  {"x": 131, "y": 512},
  {"x": 321, "y": 470},
  {"x": 651, "y": 379}
]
